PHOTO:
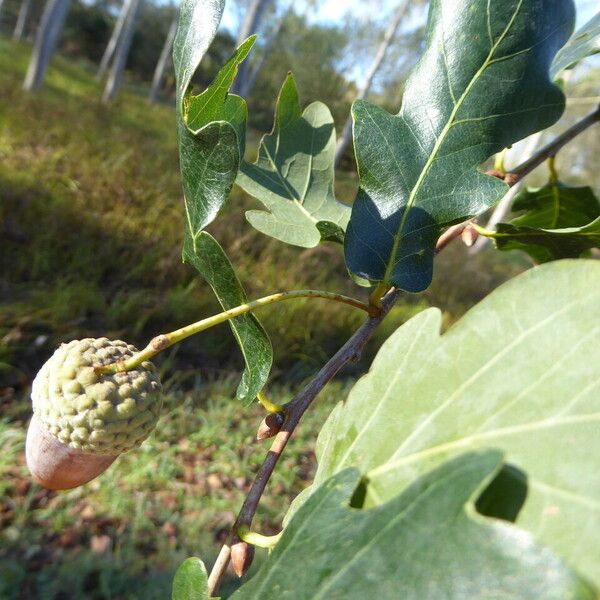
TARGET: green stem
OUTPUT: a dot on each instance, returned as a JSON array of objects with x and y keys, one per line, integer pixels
[
  {"x": 258, "y": 539},
  {"x": 499, "y": 161},
  {"x": 552, "y": 169},
  {"x": 268, "y": 405},
  {"x": 166, "y": 340}
]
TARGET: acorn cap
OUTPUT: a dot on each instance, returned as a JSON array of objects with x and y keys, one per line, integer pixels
[
  {"x": 81, "y": 416},
  {"x": 94, "y": 412}
]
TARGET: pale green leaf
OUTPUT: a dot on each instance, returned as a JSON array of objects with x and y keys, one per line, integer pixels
[
  {"x": 481, "y": 84},
  {"x": 584, "y": 42},
  {"x": 426, "y": 544},
  {"x": 519, "y": 372},
  {"x": 191, "y": 581},
  {"x": 293, "y": 175}
]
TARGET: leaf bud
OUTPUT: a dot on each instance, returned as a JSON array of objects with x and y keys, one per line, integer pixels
[
  {"x": 242, "y": 555},
  {"x": 469, "y": 236},
  {"x": 269, "y": 426}
]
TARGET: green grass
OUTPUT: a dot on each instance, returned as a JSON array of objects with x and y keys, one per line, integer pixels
[
  {"x": 123, "y": 535},
  {"x": 91, "y": 221}
]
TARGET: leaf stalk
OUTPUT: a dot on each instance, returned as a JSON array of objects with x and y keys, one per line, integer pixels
[{"x": 166, "y": 340}]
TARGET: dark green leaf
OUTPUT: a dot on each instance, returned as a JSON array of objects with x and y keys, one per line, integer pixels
[
  {"x": 204, "y": 253},
  {"x": 426, "y": 544},
  {"x": 555, "y": 206},
  {"x": 293, "y": 175},
  {"x": 191, "y": 581},
  {"x": 544, "y": 245},
  {"x": 584, "y": 42},
  {"x": 481, "y": 85},
  {"x": 559, "y": 222},
  {"x": 211, "y": 128},
  {"x": 518, "y": 372}
]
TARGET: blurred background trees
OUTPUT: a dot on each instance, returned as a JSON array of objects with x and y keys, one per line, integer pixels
[
  {"x": 91, "y": 223},
  {"x": 333, "y": 60}
]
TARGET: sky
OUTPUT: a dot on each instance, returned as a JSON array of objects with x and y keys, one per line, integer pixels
[
  {"x": 334, "y": 11},
  {"x": 331, "y": 11}
]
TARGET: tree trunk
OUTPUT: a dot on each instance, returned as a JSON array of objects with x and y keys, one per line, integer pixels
[
  {"x": 115, "y": 75},
  {"x": 163, "y": 60},
  {"x": 113, "y": 41},
  {"x": 365, "y": 86},
  {"x": 22, "y": 20},
  {"x": 49, "y": 29},
  {"x": 251, "y": 78},
  {"x": 250, "y": 24}
]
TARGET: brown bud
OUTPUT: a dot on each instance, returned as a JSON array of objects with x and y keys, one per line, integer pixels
[
  {"x": 242, "y": 555},
  {"x": 57, "y": 466},
  {"x": 495, "y": 173},
  {"x": 469, "y": 236},
  {"x": 269, "y": 426}
]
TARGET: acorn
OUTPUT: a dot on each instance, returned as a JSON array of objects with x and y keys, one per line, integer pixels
[{"x": 82, "y": 419}]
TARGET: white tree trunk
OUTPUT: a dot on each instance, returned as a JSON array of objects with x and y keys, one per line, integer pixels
[
  {"x": 249, "y": 26},
  {"x": 113, "y": 41},
  {"x": 115, "y": 75},
  {"x": 53, "y": 19},
  {"x": 22, "y": 20},
  {"x": 365, "y": 85},
  {"x": 161, "y": 65},
  {"x": 503, "y": 207},
  {"x": 248, "y": 84}
]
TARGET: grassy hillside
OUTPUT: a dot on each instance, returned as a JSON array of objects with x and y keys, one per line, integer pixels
[{"x": 91, "y": 223}]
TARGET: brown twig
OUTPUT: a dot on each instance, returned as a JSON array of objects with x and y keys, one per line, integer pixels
[
  {"x": 519, "y": 172},
  {"x": 553, "y": 147},
  {"x": 293, "y": 413},
  {"x": 351, "y": 350}
]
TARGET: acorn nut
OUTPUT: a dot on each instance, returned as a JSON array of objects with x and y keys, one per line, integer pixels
[{"x": 83, "y": 419}]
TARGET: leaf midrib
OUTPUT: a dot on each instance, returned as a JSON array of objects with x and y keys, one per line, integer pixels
[
  {"x": 439, "y": 141},
  {"x": 293, "y": 197},
  {"x": 476, "y": 438}
]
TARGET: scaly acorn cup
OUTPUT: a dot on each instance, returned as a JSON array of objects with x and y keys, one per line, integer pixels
[{"x": 83, "y": 419}]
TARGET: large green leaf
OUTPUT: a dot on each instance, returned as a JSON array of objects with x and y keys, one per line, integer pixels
[
  {"x": 204, "y": 253},
  {"x": 293, "y": 175},
  {"x": 211, "y": 128},
  {"x": 481, "y": 85},
  {"x": 519, "y": 372},
  {"x": 584, "y": 42},
  {"x": 560, "y": 222},
  {"x": 191, "y": 581},
  {"x": 426, "y": 544}
]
